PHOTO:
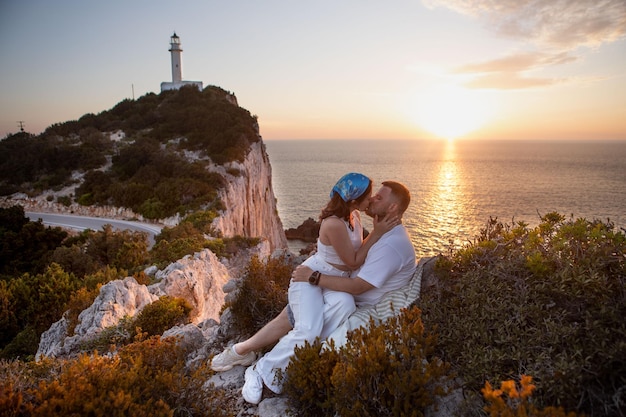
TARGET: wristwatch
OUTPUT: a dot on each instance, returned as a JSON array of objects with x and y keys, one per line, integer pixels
[{"x": 314, "y": 279}]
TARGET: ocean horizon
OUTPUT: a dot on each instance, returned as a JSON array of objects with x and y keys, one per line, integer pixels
[{"x": 457, "y": 186}]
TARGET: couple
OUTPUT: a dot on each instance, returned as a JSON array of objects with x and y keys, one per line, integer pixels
[{"x": 326, "y": 289}]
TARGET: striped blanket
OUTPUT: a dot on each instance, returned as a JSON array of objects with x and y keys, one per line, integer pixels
[{"x": 390, "y": 305}]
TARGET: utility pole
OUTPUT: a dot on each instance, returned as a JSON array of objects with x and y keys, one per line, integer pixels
[{"x": 21, "y": 125}]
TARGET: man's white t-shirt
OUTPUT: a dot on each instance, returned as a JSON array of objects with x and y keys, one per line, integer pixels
[{"x": 389, "y": 265}]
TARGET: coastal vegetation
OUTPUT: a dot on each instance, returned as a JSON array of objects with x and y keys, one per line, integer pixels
[
  {"x": 149, "y": 155},
  {"x": 45, "y": 272},
  {"x": 536, "y": 311},
  {"x": 547, "y": 301}
]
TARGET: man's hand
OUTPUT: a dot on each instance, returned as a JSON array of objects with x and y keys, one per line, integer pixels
[{"x": 301, "y": 273}]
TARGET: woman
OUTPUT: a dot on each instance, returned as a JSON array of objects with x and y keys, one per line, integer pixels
[{"x": 340, "y": 249}]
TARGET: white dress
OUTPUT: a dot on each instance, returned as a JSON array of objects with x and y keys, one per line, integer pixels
[{"x": 316, "y": 311}]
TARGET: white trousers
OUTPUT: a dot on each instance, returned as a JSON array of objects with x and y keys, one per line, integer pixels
[{"x": 316, "y": 312}]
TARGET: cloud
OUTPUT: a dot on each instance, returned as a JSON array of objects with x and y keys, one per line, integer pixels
[
  {"x": 515, "y": 63},
  {"x": 509, "y": 81},
  {"x": 559, "y": 24},
  {"x": 506, "y": 73},
  {"x": 555, "y": 28}
]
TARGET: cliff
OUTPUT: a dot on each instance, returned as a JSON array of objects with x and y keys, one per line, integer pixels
[
  {"x": 249, "y": 199},
  {"x": 221, "y": 148},
  {"x": 250, "y": 210}
]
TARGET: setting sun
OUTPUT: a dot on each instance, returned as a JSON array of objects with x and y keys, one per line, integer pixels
[{"x": 451, "y": 112}]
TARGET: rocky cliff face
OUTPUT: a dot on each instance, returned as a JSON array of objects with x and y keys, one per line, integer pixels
[
  {"x": 249, "y": 199},
  {"x": 248, "y": 196},
  {"x": 199, "y": 279},
  {"x": 250, "y": 211}
]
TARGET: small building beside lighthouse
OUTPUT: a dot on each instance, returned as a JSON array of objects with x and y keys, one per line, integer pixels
[{"x": 177, "y": 68}]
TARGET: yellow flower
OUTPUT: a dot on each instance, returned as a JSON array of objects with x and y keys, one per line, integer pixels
[
  {"x": 509, "y": 388},
  {"x": 527, "y": 386}
]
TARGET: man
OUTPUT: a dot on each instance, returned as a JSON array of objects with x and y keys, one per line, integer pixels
[{"x": 389, "y": 265}]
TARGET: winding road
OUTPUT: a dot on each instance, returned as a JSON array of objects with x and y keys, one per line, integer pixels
[{"x": 68, "y": 221}]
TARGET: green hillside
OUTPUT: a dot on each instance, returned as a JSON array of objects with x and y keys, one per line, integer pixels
[{"x": 147, "y": 167}]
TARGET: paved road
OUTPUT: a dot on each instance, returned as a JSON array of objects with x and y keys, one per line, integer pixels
[{"x": 94, "y": 223}]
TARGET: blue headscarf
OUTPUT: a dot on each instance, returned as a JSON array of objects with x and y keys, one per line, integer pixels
[{"x": 351, "y": 186}]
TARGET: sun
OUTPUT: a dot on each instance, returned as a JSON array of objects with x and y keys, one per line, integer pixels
[{"x": 450, "y": 111}]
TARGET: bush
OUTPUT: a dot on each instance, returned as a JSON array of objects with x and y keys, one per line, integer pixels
[
  {"x": 308, "y": 384},
  {"x": 548, "y": 301},
  {"x": 147, "y": 378},
  {"x": 119, "y": 249},
  {"x": 164, "y": 251},
  {"x": 163, "y": 314},
  {"x": 65, "y": 200},
  {"x": 262, "y": 294},
  {"x": 386, "y": 369},
  {"x": 513, "y": 400},
  {"x": 229, "y": 246},
  {"x": 25, "y": 246},
  {"x": 152, "y": 320}
]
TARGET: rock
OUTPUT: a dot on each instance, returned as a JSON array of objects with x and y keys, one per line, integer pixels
[
  {"x": 197, "y": 278},
  {"x": 189, "y": 336},
  {"x": 273, "y": 407},
  {"x": 249, "y": 199},
  {"x": 151, "y": 270},
  {"x": 49, "y": 343},
  {"x": 232, "y": 379},
  {"x": 117, "y": 299},
  {"x": 230, "y": 286},
  {"x": 308, "y": 231}
]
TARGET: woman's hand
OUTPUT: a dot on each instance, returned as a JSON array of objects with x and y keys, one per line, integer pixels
[
  {"x": 382, "y": 226},
  {"x": 301, "y": 274}
]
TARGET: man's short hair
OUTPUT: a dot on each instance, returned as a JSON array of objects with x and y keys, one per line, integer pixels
[{"x": 399, "y": 191}]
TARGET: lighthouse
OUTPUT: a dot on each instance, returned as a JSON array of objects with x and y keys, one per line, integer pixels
[
  {"x": 177, "y": 70},
  {"x": 176, "y": 51}
]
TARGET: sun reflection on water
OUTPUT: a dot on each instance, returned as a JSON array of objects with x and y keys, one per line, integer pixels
[{"x": 445, "y": 202}]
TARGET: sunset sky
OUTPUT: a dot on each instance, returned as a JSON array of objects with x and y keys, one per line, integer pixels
[{"x": 401, "y": 69}]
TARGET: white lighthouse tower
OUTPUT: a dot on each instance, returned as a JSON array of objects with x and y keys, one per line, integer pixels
[{"x": 177, "y": 70}]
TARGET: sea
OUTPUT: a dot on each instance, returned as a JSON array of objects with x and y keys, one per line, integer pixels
[{"x": 456, "y": 187}]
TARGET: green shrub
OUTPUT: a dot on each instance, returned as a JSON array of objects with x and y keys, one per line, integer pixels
[
  {"x": 24, "y": 345},
  {"x": 165, "y": 251},
  {"x": 548, "y": 301},
  {"x": 308, "y": 384},
  {"x": 163, "y": 314},
  {"x": 229, "y": 246},
  {"x": 152, "y": 320},
  {"x": 26, "y": 246},
  {"x": 112, "y": 337},
  {"x": 64, "y": 200},
  {"x": 201, "y": 220},
  {"x": 36, "y": 302},
  {"x": 117, "y": 248},
  {"x": 262, "y": 294},
  {"x": 386, "y": 369},
  {"x": 74, "y": 259}
]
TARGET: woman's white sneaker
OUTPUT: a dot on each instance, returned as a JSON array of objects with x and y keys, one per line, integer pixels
[
  {"x": 229, "y": 358},
  {"x": 252, "y": 390}
]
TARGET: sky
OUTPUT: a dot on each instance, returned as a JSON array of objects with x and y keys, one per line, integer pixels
[{"x": 331, "y": 69}]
